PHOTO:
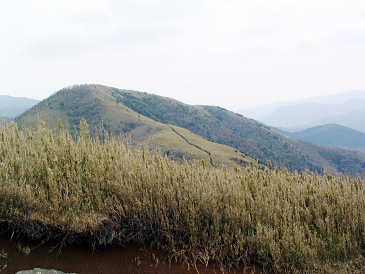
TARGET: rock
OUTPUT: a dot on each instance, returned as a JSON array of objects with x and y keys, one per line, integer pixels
[{"x": 42, "y": 271}]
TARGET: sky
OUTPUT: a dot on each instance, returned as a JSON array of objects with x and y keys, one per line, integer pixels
[{"x": 231, "y": 53}]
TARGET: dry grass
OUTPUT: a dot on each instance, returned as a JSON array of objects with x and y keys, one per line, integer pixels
[{"x": 280, "y": 221}]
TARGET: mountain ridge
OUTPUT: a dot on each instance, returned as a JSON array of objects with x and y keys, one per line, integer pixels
[
  {"x": 98, "y": 106},
  {"x": 148, "y": 117},
  {"x": 10, "y": 106},
  {"x": 331, "y": 135},
  {"x": 347, "y": 109}
]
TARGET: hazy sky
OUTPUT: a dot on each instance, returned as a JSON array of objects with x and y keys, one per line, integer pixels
[{"x": 232, "y": 53}]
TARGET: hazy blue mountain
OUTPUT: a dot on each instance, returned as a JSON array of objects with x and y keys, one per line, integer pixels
[
  {"x": 332, "y": 135},
  {"x": 10, "y": 107},
  {"x": 347, "y": 109}
]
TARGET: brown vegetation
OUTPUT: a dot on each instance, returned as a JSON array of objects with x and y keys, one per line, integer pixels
[{"x": 103, "y": 192}]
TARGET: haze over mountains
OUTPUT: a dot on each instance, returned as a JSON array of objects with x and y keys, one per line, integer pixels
[
  {"x": 331, "y": 135},
  {"x": 346, "y": 109},
  {"x": 194, "y": 131},
  {"x": 10, "y": 107}
]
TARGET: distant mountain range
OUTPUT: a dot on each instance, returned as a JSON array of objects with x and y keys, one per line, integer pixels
[
  {"x": 331, "y": 135},
  {"x": 198, "y": 132},
  {"x": 10, "y": 107},
  {"x": 347, "y": 109}
]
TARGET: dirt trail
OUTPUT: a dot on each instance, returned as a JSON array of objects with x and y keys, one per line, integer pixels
[{"x": 194, "y": 145}]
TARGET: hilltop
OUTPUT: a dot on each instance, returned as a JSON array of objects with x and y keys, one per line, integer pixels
[
  {"x": 10, "y": 107},
  {"x": 180, "y": 128},
  {"x": 101, "y": 107}
]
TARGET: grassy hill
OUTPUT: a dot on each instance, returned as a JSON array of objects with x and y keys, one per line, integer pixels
[
  {"x": 160, "y": 121},
  {"x": 10, "y": 107},
  {"x": 332, "y": 135},
  {"x": 100, "y": 107}
]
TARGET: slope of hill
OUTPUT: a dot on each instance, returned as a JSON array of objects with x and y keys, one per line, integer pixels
[
  {"x": 347, "y": 109},
  {"x": 10, "y": 107},
  {"x": 99, "y": 106},
  {"x": 167, "y": 123},
  {"x": 332, "y": 135}
]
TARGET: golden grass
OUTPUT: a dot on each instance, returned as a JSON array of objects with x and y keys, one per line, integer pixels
[
  {"x": 282, "y": 222},
  {"x": 221, "y": 155}
]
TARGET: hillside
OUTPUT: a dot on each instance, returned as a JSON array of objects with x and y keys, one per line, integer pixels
[
  {"x": 10, "y": 107},
  {"x": 100, "y": 107},
  {"x": 151, "y": 119},
  {"x": 332, "y": 135}
]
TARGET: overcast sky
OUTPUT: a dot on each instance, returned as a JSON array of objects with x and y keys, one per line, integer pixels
[{"x": 232, "y": 53}]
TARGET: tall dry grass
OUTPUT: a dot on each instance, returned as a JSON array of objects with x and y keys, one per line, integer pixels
[{"x": 114, "y": 194}]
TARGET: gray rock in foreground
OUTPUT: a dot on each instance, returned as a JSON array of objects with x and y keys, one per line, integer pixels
[{"x": 42, "y": 271}]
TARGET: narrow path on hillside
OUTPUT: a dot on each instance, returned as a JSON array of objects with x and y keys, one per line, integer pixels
[{"x": 194, "y": 145}]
